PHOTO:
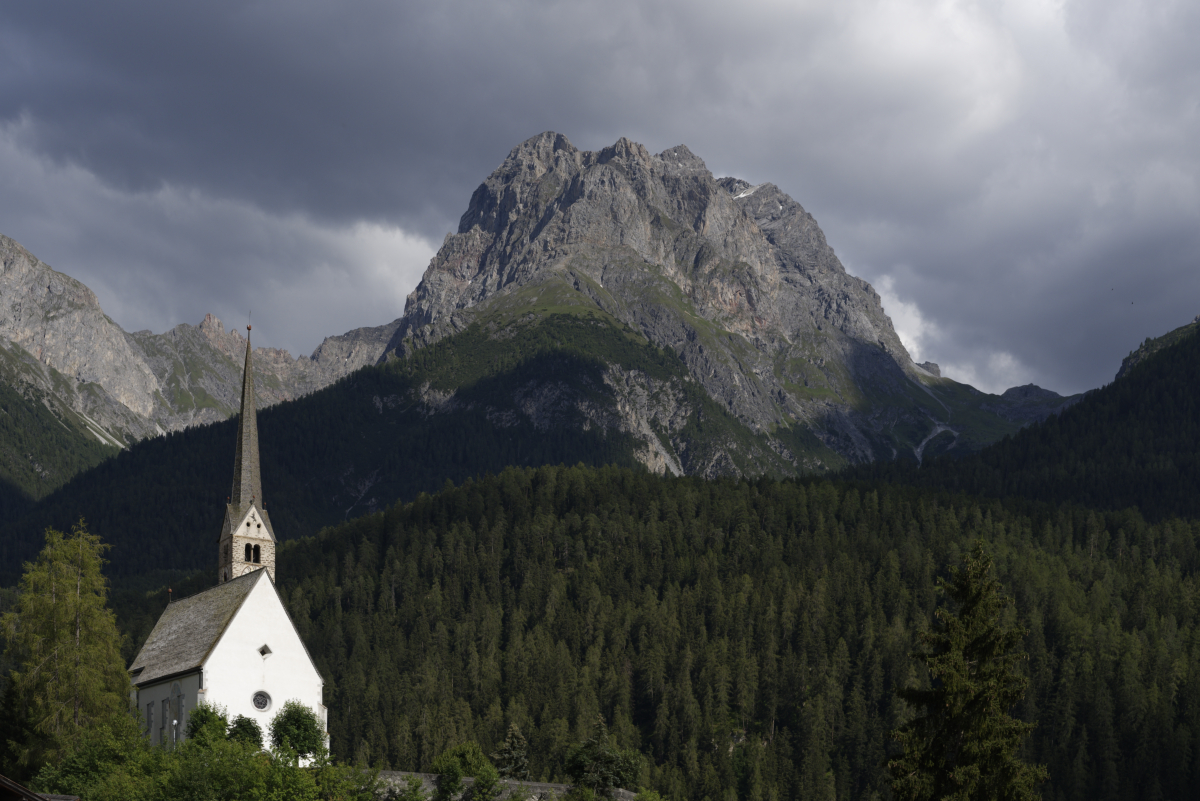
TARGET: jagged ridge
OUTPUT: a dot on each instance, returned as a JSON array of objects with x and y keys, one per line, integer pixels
[{"x": 736, "y": 279}]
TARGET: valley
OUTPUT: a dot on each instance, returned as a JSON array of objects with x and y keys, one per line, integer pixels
[{"x": 640, "y": 448}]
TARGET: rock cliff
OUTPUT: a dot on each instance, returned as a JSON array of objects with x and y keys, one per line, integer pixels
[
  {"x": 734, "y": 282},
  {"x": 62, "y": 348},
  {"x": 738, "y": 280}
]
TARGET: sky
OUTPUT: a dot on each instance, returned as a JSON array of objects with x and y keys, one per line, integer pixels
[{"x": 1019, "y": 180}]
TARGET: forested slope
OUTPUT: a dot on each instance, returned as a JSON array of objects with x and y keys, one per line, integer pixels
[
  {"x": 548, "y": 393},
  {"x": 42, "y": 442},
  {"x": 747, "y": 637},
  {"x": 1132, "y": 443}
]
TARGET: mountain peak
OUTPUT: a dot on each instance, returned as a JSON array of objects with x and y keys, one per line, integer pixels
[{"x": 736, "y": 279}]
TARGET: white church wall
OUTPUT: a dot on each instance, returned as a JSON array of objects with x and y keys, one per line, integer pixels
[{"x": 235, "y": 670}]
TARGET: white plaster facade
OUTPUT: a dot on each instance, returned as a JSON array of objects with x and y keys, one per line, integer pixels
[
  {"x": 237, "y": 668},
  {"x": 229, "y": 646}
]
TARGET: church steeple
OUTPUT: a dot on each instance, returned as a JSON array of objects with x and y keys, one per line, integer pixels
[
  {"x": 247, "y": 540},
  {"x": 247, "y": 485}
]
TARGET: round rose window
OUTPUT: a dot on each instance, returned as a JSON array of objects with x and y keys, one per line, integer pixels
[{"x": 261, "y": 700}]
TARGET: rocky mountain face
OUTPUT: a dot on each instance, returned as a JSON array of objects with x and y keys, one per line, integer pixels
[
  {"x": 738, "y": 280},
  {"x": 59, "y": 350},
  {"x": 764, "y": 328}
]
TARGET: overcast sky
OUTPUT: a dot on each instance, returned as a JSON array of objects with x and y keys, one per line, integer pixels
[{"x": 1019, "y": 180}]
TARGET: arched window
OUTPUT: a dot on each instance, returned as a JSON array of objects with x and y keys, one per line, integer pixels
[
  {"x": 248, "y": 552},
  {"x": 256, "y": 554}
]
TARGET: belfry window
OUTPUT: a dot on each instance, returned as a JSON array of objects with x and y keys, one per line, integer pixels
[
  {"x": 256, "y": 555},
  {"x": 249, "y": 552}
]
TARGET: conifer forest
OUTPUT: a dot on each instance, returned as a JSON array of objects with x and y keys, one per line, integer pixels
[{"x": 752, "y": 638}]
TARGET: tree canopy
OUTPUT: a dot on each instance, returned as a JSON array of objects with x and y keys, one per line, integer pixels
[
  {"x": 64, "y": 643},
  {"x": 965, "y": 745}
]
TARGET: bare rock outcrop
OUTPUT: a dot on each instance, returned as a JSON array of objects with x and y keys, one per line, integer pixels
[
  {"x": 63, "y": 347},
  {"x": 736, "y": 279}
]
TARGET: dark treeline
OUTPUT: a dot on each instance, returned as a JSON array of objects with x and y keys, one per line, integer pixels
[
  {"x": 747, "y": 637},
  {"x": 1133, "y": 443},
  {"x": 38, "y": 452},
  {"x": 339, "y": 453},
  {"x": 373, "y": 438}
]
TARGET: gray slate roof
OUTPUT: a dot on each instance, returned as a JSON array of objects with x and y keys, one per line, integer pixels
[
  {"x": 247, "y": 483},
  {"x": 189, "y": 629}
]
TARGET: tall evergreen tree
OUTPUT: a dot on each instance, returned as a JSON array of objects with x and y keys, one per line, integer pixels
[
  {"x": 512, "y": 760},
  {"x": 64, "y": 640},
  {"x": 965, "y": 744},
  {"x": 598, "y": 766}
]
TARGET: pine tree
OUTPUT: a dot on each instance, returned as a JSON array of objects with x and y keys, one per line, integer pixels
[
  {"x": 966, "y": 745},
  {"x": 64, "y": 640},
  {"x": 598, "y": 766},
  {"x": 512, "y": 760}
]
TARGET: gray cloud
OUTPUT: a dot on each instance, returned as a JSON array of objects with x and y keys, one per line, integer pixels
[{"x": 1019, "y": 178}]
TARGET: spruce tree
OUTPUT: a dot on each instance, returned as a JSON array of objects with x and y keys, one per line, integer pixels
[
  {"x": 64, "y": 640},
  {"x": 512, "y": 760},
  {"x": 598, "y": 766},
  {"x": 966, "y": 745}
]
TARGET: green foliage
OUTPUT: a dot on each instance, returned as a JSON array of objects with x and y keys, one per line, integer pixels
[
  {"x": 297, "y": 726},
  {"x": 468, "y": 759},
  {"x": 449, "y": 782},
  {"x": 206, "y": 723},
  {"x": 468, "y": 756},
  {"x": 64, "y": 642},
  {"x": 113, "y": 761},
  {"x": 413, "y": 790},
  {"x": 39, "y": 452},
  {"x": 246, "y": 730},
  {"x": 745, "y": 637},
  {"x": 965, "y": 744},
  {"x": 512, "y": 760},
  {"x": 600, "y": 767}
]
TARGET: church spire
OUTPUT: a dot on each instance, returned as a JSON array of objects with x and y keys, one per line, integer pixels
[
  {"x": 247, "y": 485},
  {"x": 247, "y": 541}
]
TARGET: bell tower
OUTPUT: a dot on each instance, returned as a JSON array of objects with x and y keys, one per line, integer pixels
[{"x": 247, "y": 541}]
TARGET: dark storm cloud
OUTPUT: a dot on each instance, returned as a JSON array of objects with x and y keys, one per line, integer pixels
[{"x": 1019, "y": 179}]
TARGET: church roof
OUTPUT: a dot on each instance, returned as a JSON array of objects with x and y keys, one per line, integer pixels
[
  {"x": 190, "y": 628},
  {"x": 247, "y": 484}
]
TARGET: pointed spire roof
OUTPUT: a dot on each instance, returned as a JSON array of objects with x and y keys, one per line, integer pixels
[{"x": 247, "y": 485}]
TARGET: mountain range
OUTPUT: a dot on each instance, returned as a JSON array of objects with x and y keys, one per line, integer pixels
[
  {"x": 736, "y": 282},
  {"x": 499, "y": 539}
]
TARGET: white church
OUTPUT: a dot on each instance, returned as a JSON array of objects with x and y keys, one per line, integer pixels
[{"x": 234, "y": 645}]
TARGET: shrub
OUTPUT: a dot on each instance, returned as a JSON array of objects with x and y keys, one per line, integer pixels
[
  {"x": 246, "y": 730},
  {"x": 297, "y": 725}
]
